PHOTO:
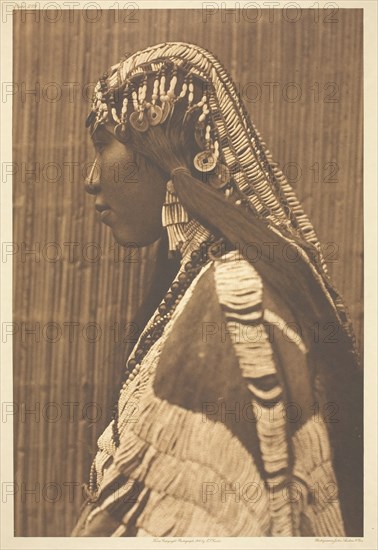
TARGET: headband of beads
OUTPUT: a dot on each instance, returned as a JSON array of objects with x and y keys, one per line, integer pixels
[{"x": 154, "y": 108}]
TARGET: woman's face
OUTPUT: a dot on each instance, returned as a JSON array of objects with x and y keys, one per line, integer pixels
[{"x": 129, "y": 193}]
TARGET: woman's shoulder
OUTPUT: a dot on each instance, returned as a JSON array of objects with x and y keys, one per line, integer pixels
[
  {"x": 226, "y": 283},
  {"x": 223, "y": 302}
]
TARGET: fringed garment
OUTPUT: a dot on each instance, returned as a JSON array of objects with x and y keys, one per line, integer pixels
[{"x": 222, "y": 431}]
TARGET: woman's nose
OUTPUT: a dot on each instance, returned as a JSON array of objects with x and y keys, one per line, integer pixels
[{"x": 92, "y": 182}]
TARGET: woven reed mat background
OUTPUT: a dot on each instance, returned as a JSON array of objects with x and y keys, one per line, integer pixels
[{"x": 302, "y": 86}]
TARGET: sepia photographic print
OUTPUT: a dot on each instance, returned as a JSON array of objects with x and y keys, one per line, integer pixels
[{"x": 187, "y": 360}]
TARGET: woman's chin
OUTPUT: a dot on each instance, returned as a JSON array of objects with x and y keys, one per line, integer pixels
[{"x": 128, "y": 239}]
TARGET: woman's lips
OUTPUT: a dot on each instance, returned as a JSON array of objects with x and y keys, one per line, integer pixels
[
  {"x": 104, "y": 210},
  {"x": 105, "y": 214}
]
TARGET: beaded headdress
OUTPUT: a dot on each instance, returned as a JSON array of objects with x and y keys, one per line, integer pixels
[{"x": 234, "y": 155}]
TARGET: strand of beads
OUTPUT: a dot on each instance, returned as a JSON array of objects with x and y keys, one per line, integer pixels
[
  {"x": 184, "y": 88},
  {"x": 102, "y": 113},
  {"x": 198, "y": 258},
  {"x": 120, "y": 128},
  {"x": 112, "y": 106},
  {"x": 191, "y": 91},
  {"x": 172, "y": 85},
  {"x": 137, "y": 118},
  {"x": 154, "y": 112}
]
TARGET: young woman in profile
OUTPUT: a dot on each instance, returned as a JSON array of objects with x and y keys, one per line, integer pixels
[{"x": 232, "y": 420}]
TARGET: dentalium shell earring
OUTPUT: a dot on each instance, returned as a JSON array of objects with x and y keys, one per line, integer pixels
[{"x": 174, "y": 217}]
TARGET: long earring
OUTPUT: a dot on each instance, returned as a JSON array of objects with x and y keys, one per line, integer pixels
[{"x": 174, "y": 218}]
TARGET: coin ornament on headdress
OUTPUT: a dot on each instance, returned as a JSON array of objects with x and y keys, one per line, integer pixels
[
  {"x": 221, "y": 177},
  {"x": 206, "y": 161}
]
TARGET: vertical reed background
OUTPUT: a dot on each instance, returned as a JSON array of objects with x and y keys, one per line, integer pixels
[{"x": 75, "y": 298}]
